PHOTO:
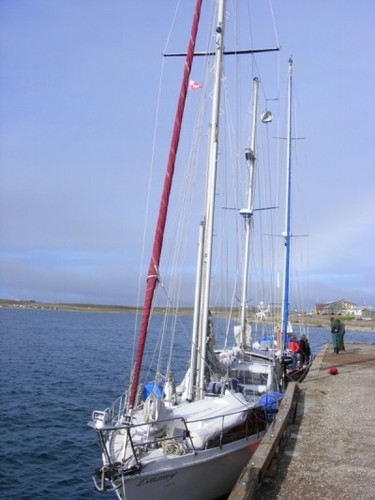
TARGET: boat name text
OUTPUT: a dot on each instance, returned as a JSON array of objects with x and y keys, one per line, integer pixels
[{"x": 156, "y": 479}]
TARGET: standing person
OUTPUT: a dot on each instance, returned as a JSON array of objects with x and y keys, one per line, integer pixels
[
  {"x": 335, "y": 324},
  {"x": 341, "y": 333},
  {"x": 304, "y": 347},
  {"x": 308, "y": 351},
  {"x": 293, "y": 347}
]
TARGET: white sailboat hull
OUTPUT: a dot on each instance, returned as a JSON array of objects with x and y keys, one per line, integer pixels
[
  {"x": 195, "y": 450},
  {"x": 206, "y": 475}
]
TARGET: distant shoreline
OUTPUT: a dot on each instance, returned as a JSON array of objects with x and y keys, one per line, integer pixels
[{"x": 313, "y": 320}]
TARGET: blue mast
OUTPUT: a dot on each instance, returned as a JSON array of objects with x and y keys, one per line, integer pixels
[{"x": 287, "y": 234}]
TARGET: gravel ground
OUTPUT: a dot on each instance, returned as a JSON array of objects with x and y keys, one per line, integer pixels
[{"x": 330, "y": 453}]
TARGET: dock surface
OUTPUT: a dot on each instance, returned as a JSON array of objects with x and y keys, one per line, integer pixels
[{"x": 330, "y": 453}]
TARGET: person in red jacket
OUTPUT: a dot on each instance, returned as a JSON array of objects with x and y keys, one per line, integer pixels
[{"x": 293, "y": 347}]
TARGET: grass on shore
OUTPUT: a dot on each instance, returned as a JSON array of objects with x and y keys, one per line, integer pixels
[{"x": 312, "y": 320}]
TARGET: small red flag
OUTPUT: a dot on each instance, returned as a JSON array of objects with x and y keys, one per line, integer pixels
[{"x": 193, "y": 85}]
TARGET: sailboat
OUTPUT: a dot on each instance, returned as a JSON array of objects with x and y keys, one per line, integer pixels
[
  {"x": 278, "y": 342},
  {"x": 191, "y": 441},
  {"x": 258, "y": 373}
]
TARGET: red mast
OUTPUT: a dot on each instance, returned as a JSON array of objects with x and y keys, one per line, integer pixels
[{"x": 153, "y": 270}]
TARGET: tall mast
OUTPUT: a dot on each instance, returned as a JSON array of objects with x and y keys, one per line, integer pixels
[
  {"x": 205, "y": 276},
  {"x": 247, "y": 213},
  {"x": 153, "y": 271},
  {"x": 287, "y": 234}
]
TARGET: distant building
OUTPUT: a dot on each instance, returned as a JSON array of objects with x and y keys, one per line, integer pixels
[
  {"x": 366, "y": 312},
  {"x": 343, "y": 307}
]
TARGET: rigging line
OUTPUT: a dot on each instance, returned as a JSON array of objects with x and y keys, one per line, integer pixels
[
  {"x": 147, "y": 206},
  {"x": 172, "y": 25},
  {"x": 231, "y": 312},
  {"x": 179, "y": 250},
  {"x": 255, "y": 67},
  {"x": 185, "y": 198},
  {"x": 152, "y": 164},
  {"x": 271, "y": 222},
  {"x": 251, "y": 37},
  {"x": 151, "y": 173},
  {"x": 227, "y": 189},
  {"x": 163, "y": 329},
  {"x": 185, "y": 203},
  {"x": 274, "y": 23}
]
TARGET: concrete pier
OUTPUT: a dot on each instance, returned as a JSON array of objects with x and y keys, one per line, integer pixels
[{"x": 330, "y": 450}]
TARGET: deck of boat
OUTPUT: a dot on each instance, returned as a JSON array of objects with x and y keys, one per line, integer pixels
[{"x": 330, "y": 450}]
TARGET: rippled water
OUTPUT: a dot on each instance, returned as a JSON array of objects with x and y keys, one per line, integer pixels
[{"x": 56, "y": 368}]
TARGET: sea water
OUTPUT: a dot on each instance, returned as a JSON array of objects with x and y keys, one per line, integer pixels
[{"x": 56, "y": 368}]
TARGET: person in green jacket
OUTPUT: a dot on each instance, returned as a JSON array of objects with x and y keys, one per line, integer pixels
[
  {"x": 341, "y": 333},
  {"x": 335, "y": 324}
]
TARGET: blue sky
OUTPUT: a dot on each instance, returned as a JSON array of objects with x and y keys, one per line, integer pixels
[{"x": 78, "y": 87}]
